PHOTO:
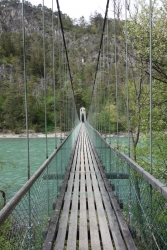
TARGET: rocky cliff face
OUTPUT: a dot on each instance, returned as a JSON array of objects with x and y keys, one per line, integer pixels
[
  {"x": 6, "y": 72},
  {"x": 11, "y": 17},
  {"x": 83, "y": 43}
]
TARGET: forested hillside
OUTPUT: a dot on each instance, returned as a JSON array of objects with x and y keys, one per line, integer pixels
[{"x": 83, "y": 40}]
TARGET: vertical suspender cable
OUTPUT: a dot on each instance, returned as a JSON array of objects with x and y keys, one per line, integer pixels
[
  {"x": 103, "y": 95},
  {"x": 97, "y": 103},
  {"x": 109, "y": 110},
  {"x": 25, "y": 89},
  {"x": 44, "y": 68},
  {"x": 127, "y": 87},
  {"x": 54, "y": 80},
  {"x": 128, "y": 113},
  {"x": 151, "y": 113},
  {"x": 27, "y": 132},
  {"x": 100, "y": 96},
  {"x": 108, "y": 80},
  {"x": 66, "y": 91},
  {"x": 151, "y": 86},
  {"x": 60, "y": 66},
  {"x": 63, "y": 98},
  {"x": 116, "y": 72},
  {"x": 59, "y": 49},
  {"x": 62, "y": 77},
  {"x": 63, "y": 94},
  {"x": 68, "y": 107}
]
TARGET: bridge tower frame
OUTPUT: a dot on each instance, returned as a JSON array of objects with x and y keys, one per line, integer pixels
[{"x": 82, "y": 114}]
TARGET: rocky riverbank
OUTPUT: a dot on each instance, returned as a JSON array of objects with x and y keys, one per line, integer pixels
[{"x": 31, "y": 135}]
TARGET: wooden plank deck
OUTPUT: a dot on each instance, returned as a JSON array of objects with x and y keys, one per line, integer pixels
[{"x": 88, "y": 218}]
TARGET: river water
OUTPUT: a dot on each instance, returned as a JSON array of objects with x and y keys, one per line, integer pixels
[{"x": 13, "y": 158}]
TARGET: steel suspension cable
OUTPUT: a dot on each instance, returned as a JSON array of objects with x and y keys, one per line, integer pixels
[
  {"x": 59, "y": 56},
  {"x": 98, "y": 59},
  {"x": 151, "y": 149},
  {"x": 44, "y": 68},
  {"x": 65, "y": 47},
  {"x": 108, "y": 92},
  {"x": 67, "y": 116},
  {"x": 25, "y": 90},
  {"x": 45, "y": 104},
  {"x": 27, "y": 132},
  {"x": 117, "y": 183},
  {"x": 116, "y": 73},
  {"x": 61, "y": 87},
  {"x": 151, "y": 86},
  {"x": 128, "y": 112},
  {"x": 127, "y": 77},
  {"x": 103, "y": 84},
  {"x": 100, "y": 96},
  {"x": 108, "y": 78},
  {"x": 63, "y": 91},
  {"x": 67, "y": 93},
  {"x": 54, "y": 79},
  {"x": 95, "y": 119},
  {"x": 66, "y": 99},
  {"x": 104, "y": 92}
]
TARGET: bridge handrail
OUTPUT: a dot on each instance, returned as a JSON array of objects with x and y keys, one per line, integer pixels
[
  {"x": 6, "y": 211},
  {"x": 159, "y": 186}
]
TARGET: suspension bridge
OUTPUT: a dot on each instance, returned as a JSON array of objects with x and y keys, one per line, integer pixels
[{"x": 87, "y": 194}]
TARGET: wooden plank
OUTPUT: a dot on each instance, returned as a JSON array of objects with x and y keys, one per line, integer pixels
[
  {"x": 104, "y": 229},
  {"x": 83, "y": 230},
  {"x": 64, "y": 217},
  {"x": 76, "y": 154},
  {"x": 117, "y": 237},
  {"x": 60, "y": 240},
  {"x": 72, "y": 232},
  {"x": 94, "y": 234}
]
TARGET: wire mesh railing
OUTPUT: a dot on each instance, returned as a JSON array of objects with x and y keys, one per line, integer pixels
[
  {"x": 25, "y": 219},
  {"x": 142, "y": 198}
]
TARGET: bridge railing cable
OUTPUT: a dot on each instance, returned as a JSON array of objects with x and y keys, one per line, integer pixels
[
  {"x": 43, "y": 189},
  {"x": 145, "y": 217}
]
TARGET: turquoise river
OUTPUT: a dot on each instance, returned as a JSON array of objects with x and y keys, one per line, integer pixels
[{"x": 13, "y": 161}]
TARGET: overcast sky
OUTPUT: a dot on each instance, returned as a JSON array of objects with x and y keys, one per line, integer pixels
[{"x": 76, "y": 8}]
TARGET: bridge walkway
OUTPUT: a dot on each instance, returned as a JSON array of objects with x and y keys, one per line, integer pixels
[{"x": 89, "y": 216}]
